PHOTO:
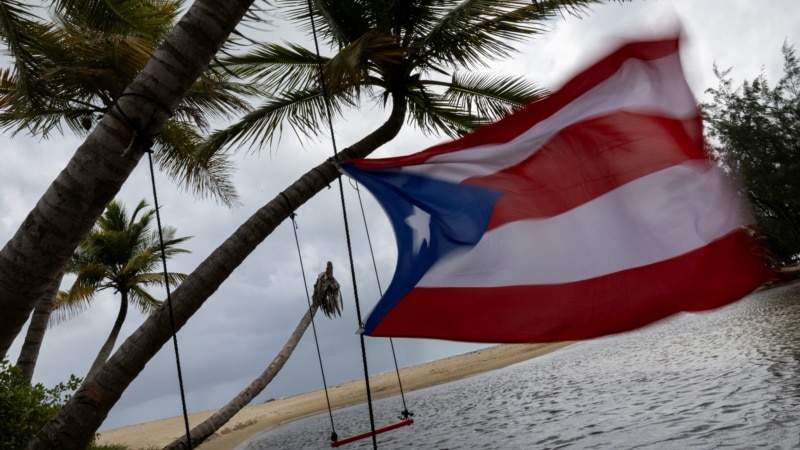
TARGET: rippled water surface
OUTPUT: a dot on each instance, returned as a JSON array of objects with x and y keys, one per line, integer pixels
[{"x": 725, "y": 379}]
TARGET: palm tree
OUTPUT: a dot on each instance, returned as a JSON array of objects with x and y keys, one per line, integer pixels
[
  {"x": 413, "y": 54},
  {"x": 29, "y": 353},
  {"x": 327, "y": 297},
  {"x": 76, "y": 198},
  {"x": 72, "y": 69},
  {"x": 122, "y": 253},
  {"x": 436, "y": 26}
]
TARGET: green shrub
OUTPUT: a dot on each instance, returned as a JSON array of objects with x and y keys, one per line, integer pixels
[{"x": 26, "y": 407}]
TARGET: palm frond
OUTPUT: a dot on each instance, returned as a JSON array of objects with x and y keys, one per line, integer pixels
[
  {"x": 8, "y": 83},
  {"x": 142, "y": 300},
  {"x": 339, "y": 22},
  {"x": 326, "y": 293},
  {"x": 490, "y": 97},
  {"x": 179, "y": 152},
  {"x": 432, "y": 114},
  {"x": 18, "y": 29},
  {"x": 151, "y": 17},
  {"x": 213, "y": 96},
  {"x": 157, "y": 279},
  {"x": 304, "y": 111},
  {"x": 64, "y": 310},
  {"x": 477, "y": 31},
  {"x": 287, "y": 67},
  {"x": 350, "y": 68}
]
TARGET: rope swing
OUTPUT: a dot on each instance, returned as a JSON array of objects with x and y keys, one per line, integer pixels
[
  {"x": 405, "y": 415},
  {"x": 327, "y": 296}
]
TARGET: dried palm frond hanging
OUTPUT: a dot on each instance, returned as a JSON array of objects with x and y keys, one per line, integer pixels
[{"x": 326, "y": 293}]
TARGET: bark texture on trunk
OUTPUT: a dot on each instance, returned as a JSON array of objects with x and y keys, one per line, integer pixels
[
  {"x": 74, "y": 425},
  {"x": 108, "y": 345},
  {"x": 210, "y": 426},
  {"x": 69, "y": 208},
  {"x": 29, "y": 354}
]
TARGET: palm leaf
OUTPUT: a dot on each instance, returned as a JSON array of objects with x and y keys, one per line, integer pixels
[
  {"x": 19, "y": 29},
  {"x": 142, "y": 300},
  {"x": 179, "y": 152},
  {"x": 215, "y": 96},
  {"x": 287, "y": 67},
  {"x": 477, "y": 31},
  {"x": 65, "y": 309},
  {"x": 338, "y": 21},
  {"x": 304, "y": 111},
  {"x": 350, "y": 68},
  {"x": 327, "y": 294},
  {"x": 151, "y": 17},
  {"x": 490, "y": 97},
  {"x": 433, "y": 114},
  {"x": 8, "y": 84}
]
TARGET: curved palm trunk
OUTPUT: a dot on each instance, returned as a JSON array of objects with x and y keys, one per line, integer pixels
[
  {"x": 210, "y": 426},
  {"x": 108, "y": 345},
  {"x": 29, "y": 354},
  {"x": 73, "y": 202},
  {"x": 74, "y": 425}
]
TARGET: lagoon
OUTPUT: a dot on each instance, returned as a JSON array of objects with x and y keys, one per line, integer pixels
[{"x": 728, "y": 378}]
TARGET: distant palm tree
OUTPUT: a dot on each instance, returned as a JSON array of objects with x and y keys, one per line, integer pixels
[
  {"x": 122, "y": 253},
  {"x": 40, "y": 318},
  {"x": 327, "y": 297}
]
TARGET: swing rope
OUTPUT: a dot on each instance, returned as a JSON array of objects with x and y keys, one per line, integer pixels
[
  {"x": 169, "y": 301},
  {"x": 405, "y": 414},
  {"x": 334, "y": 436},
  {"x": 346, "y": 225}
]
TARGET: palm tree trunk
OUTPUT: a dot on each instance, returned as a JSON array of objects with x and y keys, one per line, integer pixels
[
  {"x": 74, "y": 425},
  {"x": 29, "y": 354},
  {"x": 210, "y": 426},
  {"x": 76, "y": 198},
  {"x": 108, "y": 345}
]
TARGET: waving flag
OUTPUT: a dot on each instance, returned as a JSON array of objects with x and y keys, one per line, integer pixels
[{"x": 591, "y": 212}]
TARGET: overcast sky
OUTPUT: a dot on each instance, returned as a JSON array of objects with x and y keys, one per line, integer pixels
[{"x": 239, "y": 330}]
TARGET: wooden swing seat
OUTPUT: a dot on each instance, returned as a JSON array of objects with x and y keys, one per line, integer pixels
[{"x": 357, "y": 437}]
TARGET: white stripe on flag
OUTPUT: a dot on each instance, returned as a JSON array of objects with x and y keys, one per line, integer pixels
[
  {"x": 654, "y": 87},
  {"x": 654, "y": 218}
]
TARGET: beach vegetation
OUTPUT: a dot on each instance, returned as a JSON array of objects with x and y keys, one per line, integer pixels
[
  {"x": 26, "y": 407},
  {"x": 755, "y": 131}
]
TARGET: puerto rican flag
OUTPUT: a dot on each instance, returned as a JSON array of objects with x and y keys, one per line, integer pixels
[{"x": 593, "y": 211}]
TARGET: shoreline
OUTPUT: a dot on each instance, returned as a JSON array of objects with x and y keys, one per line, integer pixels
[{"x": 256, "y": 419}]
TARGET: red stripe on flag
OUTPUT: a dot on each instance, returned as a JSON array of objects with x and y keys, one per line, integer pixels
[
  {"x": 587, "y": 160},
  {"x": 722, "y": 272},
  {"x": 521, "y": 121}
]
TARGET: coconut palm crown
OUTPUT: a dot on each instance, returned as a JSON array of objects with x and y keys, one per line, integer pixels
[
  {"x": 70, "y": 69},
  {"x": 122, "y": 252},
  {"x": 419, "y": 52}
]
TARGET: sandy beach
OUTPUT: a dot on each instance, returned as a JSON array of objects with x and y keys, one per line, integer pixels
[{"x": 256, "y": 419}]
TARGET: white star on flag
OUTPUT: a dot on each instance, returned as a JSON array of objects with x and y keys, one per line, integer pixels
[{"x": 419, "y": 221}]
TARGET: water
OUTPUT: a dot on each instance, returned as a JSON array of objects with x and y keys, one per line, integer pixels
[{"x": 725, "y": 379}]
